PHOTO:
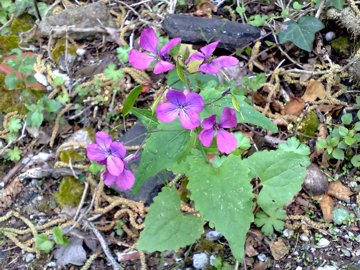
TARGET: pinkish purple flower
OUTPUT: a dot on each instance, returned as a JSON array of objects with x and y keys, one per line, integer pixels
[
  {"x": 111, "y": 154},
  {"x": 185, "y": 105},
  {"x": 149, "y": 42},
  {"x": 226, "y": 142},
  {"x": 212, "y": 65}
]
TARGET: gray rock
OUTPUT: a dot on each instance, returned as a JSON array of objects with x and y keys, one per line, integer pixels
[
  {"x": 197, "y": 30},
  {"x": 213, "y": 235},
  {"x": 346, "y": 252},
  {"x": 262, "y": 257},
  {"x": 304, "y": 238},
  {"x": 73, "y": 253},
  {"x": 288, "y": 233},
  {"x": 94, "y": 15},
  {"x": 329, "y": 36},
  {"x": 200, "y": 260},
  {"x": 29, "y": 257},
  {"x": 357, "y": 253},
  {"x": 316, "y": 182},
  {"x": 323, "y": 242},
  {"x": 327, "y": 267}
]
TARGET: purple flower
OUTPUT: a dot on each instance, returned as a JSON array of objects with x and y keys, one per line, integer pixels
[
  {"x": 111, "y": 154},
  {"x": 212, "y": 66},
  {"x": 226, "y": 142},
  {"x": 149, "y": 43},
  {"x": 185, "y": 105}
]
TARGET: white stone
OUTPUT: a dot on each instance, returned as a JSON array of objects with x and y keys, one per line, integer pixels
[
  {"x": 261, "y": 257},
  {"x": 213, "y": 235},
  {"x": 327, "y": 267},
  {"x": 304, "y": 238},
  {"x": 80, "y": 52},
  {"x": 298, "y": 268},
  {"x": 288, "y": 233},
  {"x": 323, "y": 242},
  {"x": 329, "y": 36},
  {"x": 200, "y": 260},
  {"x": 357, "y": 253},
  {"x": 29, "y": 257},
  {"x": 41, "y": 78}
]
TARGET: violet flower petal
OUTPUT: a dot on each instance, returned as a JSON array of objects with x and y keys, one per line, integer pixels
[
  {"x": 115, "y": 165},
  {"x": 140, "y": 60},
  {"x": 177, "y": 98},
  {"x": 103, "y": 139},
  {"x": 163, "y": 66},
  {"x": 168, "y": 46},
  {"x": 194, "y": 102},
  {"x": 208, "y": 50},
  {"x": 228, "y": 118},
  {"x": 195, "y": 56},
  {"x": 167, "y": 112},
  {"x": 225, "y": 61},
  {"x": 226, "y": 142},
  {"x": 209, "y": 68},
  {"x": 109, "y": 179},
  {"x": 206, "y": 136},
  {"x": 125, "y": 180},
  {"x": 95, "y": 153},
  {"x": 149, "y": 40},
  {"x": 209, "y": 122},
  {"x": 189, "y": 119},
  {"x": 117, "y": 149}
]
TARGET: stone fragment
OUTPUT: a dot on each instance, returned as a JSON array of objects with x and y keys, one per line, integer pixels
[
  {"x": 200, "y": 260},
  {"x": 316, "y": 182},
  {"x": 197, "y": 30},
  {"x": 323, "y": 242}
]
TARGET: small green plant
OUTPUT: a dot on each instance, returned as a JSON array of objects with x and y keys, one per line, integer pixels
[
  {"x": 45, "y": 108},
  {"x": 13, "y": 154},
  {"x": 343, "y": 140},
  {"x": 7, "y": 8},
  {"x": 23, "y": 65},
  {"x": 43, "y": 243}
]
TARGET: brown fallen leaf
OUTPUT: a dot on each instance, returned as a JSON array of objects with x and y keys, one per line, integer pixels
[
  {"x": 261, "y": 266},
  {"x": 278, "y": 249},
  {"x": 294, "y": 106},
  {"x": 314, "y": 90},
  {"x": 327, "y": 207},
  {"x": 339, "y": 191}
]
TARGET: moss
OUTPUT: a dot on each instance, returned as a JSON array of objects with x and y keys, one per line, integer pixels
[
  {"x": 309, "y": 126},
  {"x": 65, "y": 156},
  {"x": 210, "y": 247},
  {"x": 59, "y": 49},
  {"x": 22, "y": 24},
  {"x": 8, "y": 42},
  {"x": 70, "y": 191},
  {"x": 343, "y": 46}
]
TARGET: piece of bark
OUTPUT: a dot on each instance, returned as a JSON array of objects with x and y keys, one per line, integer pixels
[{"x": 197, "y": 30}]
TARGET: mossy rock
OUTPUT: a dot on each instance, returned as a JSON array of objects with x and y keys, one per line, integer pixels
[
  {"x": 8, "y": 42},
  {"x": 59, "y": 49},
  {"x": 22, "y": 24},
  {"x": 70, "y": 192},
  {"x": 343, "y": 46},
  {"x": 309, "y": 126}
]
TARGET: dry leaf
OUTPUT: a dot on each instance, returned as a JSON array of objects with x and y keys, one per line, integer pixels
[
  {"x": 305, "y": 76},
  {"x": 339, "y": 191},
  {"x": 278, "y": 249},
  {"x": 327, "y": 207},
  {"x": 261, "y": 266},
  {"x": 315, "y": 90},
  {"x": 295, "y": 106}
]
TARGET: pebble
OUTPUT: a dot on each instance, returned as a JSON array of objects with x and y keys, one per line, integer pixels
[
  {"x": 329, "y": 36},
  {"x": 212, "y": 258},
  {"x": 213, "y": 236},
  {"x": 346, "y": 252},
  {"x": 80, "y": 52},
  {"x": 288, "y": 233},
  {"x": 357, "y": 253},
  {"x": 327, "y": 267},
  {"x": 50, "y": 264},
  {"x": 304, "y": 238},
  {"x": 353, "y": 184},
  {"x": 298, "y": 268},
  {"x": 261, "y": 257},
  {"x": 29, "y": 257},
  {"x": 41, "y": 78},
  {"x": 200, "y": 260},
  {"x": 323, "y": 242},
  {"x": 358, "y": 238}
]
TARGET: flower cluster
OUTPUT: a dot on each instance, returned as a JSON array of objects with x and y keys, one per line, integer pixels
[{"x": 112, "y": 154}]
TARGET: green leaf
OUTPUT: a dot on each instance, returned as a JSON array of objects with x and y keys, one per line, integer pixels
[
  {"x": 95, "y": 167},
  {"x": 166, "y": 228},
  {"x": 223, "y": 196},
  {"x": 338, "y": 154},
  {"x": 349, "y": 140},
  {"x": 270, "y": 222},
  {"x": 146, "y": 117},
  {"x": 14, "y": 154},
  {"x": 280, "y": 172},
  {"x": 297, "y": 5},
  {"x": 11, "y": 81},
  {"x": 111, "y": 73},
  {"x": 131, "y": 98},
  {"x": 338, "y": 4},
  {"x": 321, "y": 143},
  {"x": 346, "y": 119},
  {"x": 21, "y": 6},
  {"x": 59, "y": 237},
  {"x": 243, "y": 142},
  {"x": 36, "y": 118},
  {"x": 294, "y": 145},
  {"x": 357, "y": 126},
  {"x": 302, "y": 32},
  {"x": 340, "y": 216},
  {"x": 258, "y": 20},
  {"x": 43, "y": 243},
  {"x": 355, "y": 161},
  {"x": 254, "y": 83},
  {"x": 123, "y": 54},
  {"x": 240, "y": 10},
  {"x": 163, "y": 148},
  {"x": 51, "y": 105},
  {"x": 180, "y": 72},
  {"x": 14, "y": 125}
]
